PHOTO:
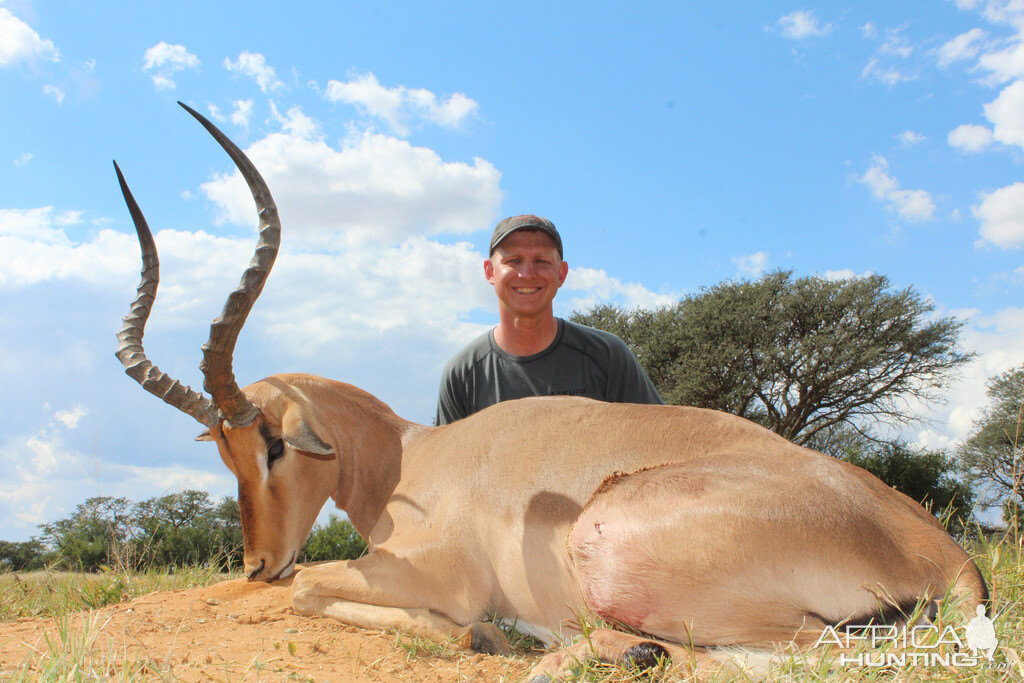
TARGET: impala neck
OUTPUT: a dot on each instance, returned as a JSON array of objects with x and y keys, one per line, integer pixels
[{"x": 371, "y": 472}]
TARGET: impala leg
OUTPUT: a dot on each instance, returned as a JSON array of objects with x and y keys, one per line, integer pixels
[
  {"x": 363, "y": 593},
  {"x": 613, "y": 647}
]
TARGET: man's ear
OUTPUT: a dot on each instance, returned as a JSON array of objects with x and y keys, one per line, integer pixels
[
  {"x": 563, "y": 272},
  {"x": 489, "y": 270}
]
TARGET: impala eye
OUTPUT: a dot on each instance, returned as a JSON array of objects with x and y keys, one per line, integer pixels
[{"x": 274, "y": 452}]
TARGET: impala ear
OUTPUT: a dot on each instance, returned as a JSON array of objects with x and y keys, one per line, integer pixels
[
  {"x": 205, "y": 436},
  {"x": 301, "y": 437}
]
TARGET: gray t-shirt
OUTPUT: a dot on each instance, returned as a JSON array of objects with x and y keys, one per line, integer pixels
[{"x": 581, "y": 361}]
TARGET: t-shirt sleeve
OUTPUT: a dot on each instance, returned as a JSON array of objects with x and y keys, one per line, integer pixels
[
  {"x": 451, "y": 404},
  {"x": 627, "y": 381}
]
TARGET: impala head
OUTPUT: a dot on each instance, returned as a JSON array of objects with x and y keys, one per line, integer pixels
[{"x": 266, "y": 433}]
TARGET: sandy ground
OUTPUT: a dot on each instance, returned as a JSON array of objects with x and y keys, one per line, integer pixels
[{"x": 236, "y": 630}]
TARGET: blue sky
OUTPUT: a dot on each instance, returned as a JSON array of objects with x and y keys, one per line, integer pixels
[{"x": 675, "y": 145}]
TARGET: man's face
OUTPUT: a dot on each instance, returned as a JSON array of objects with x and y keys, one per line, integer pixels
[{"x": 526, "y": 272}]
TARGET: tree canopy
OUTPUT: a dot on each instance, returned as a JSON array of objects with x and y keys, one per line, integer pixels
[
  {"x": 994, "y": 453},
  {"x": 798, "y": 355}
]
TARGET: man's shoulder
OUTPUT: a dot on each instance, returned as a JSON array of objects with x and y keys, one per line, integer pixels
[
  {"x": 591, "y": 340},
  {"x": 471, "y": 354}
]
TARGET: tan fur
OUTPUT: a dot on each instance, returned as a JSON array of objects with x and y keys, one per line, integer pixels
[{"x": 723, "y": 534}]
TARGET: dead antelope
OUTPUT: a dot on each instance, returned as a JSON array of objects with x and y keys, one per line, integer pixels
[{"x": 691, "y": 526}]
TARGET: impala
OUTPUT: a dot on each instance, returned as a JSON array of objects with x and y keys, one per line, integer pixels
[{"x": 690, "y": 526}]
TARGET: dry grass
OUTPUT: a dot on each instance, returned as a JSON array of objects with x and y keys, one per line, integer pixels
[{"x": 82, "y": 654}]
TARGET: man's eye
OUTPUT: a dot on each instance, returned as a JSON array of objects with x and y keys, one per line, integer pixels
[{"x": 274, "y": 452}]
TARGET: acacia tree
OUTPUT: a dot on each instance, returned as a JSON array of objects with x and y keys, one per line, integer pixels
[
  {"x": 799, "y": 355},
  {"x": 98, "y": 528},
  {"x": 993, "y": 456},
  {"x": 186, "y": 528}
]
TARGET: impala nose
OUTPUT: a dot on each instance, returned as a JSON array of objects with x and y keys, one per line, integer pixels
[{"x": 251, "y": 571}]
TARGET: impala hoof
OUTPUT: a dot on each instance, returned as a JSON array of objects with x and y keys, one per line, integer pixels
[
  {"x": 486, "y": 638},
  {"x": 541, "y": 678},
  {"x": 645, "y": 655}
]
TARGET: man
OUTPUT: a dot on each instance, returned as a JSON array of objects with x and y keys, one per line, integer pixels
[{"x": 531, "y": 352}]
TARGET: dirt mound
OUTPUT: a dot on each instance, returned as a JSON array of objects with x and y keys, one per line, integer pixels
[{"x": 239, "y": 630}]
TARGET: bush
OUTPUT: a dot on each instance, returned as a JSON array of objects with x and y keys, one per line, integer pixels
[
  {"x": 23, "y": 556},
  {"x": 336, "y": 540},
  {"x": 175, "y": 530}
]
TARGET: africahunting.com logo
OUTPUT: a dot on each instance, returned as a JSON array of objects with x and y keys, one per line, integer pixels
[{"x": 929, "y": 645}]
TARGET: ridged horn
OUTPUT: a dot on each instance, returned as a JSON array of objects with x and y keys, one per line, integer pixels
[
  {"x": 218, "y": 351},
  {"x": 228, "y": 402},
  {"x": 129, "y": 346}
]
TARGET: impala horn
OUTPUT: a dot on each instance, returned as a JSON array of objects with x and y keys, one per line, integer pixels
[{"x": 228, "y": 402}]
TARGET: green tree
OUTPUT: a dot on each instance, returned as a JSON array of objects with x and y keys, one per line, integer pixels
[
  {"x": 176, "y": 529},
  {"x": 180, "y": 529},
  {"x": 22, "y": 556},
  {"x": 89, "y": 539},
  {"x": 227, "y": 529},
  {"x": 799, "y": 355},
  {"x": 993, "y": 456},
  {"x": 336, "y": 540}
]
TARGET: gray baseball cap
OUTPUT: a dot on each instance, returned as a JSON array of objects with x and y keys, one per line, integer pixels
[{"x": 526, "y": 222}]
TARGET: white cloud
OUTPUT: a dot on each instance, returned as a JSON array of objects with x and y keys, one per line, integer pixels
[
  {"x": 296, "y": 123},
  {"x": 909, "y": 138},
  {"x": 374, "y": 188},
  {"x": 593, "y": 286},
  {"x": 751, "y": 265},
  {"x": 255, "y": 66},
  {"x": 962, "y": 47},
  {"x": 19, "y": 43},
  {"x": 165, "y": 60},
  {"x": 1001, "y": 214},
  {"x": 999, "y": 341},
  {"x": 911, "y": 205},
  {"x": 970, "y": 138},
  {"x": 23, "y": 159},
  {"x": 1004, "y": 65},
  {"x": 400, "y": 105},
  {"x": 895, "y": 44},
  {"x": 1006, "y": 113},
  {"x": 55, "y": 92},
  {"x": 242, "y": 113},
  {"x": 35, "y": 466},
  {"x": 882, "y": 67},
  {"x": 70, "y": 418},
  {"x": 351, "y": 301},
  {"x": 845, "y": 274},
  {"x": 802, "y": 24},
  {"x": 34, "y": 247},
  {"x": 887, "y": 74}
]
